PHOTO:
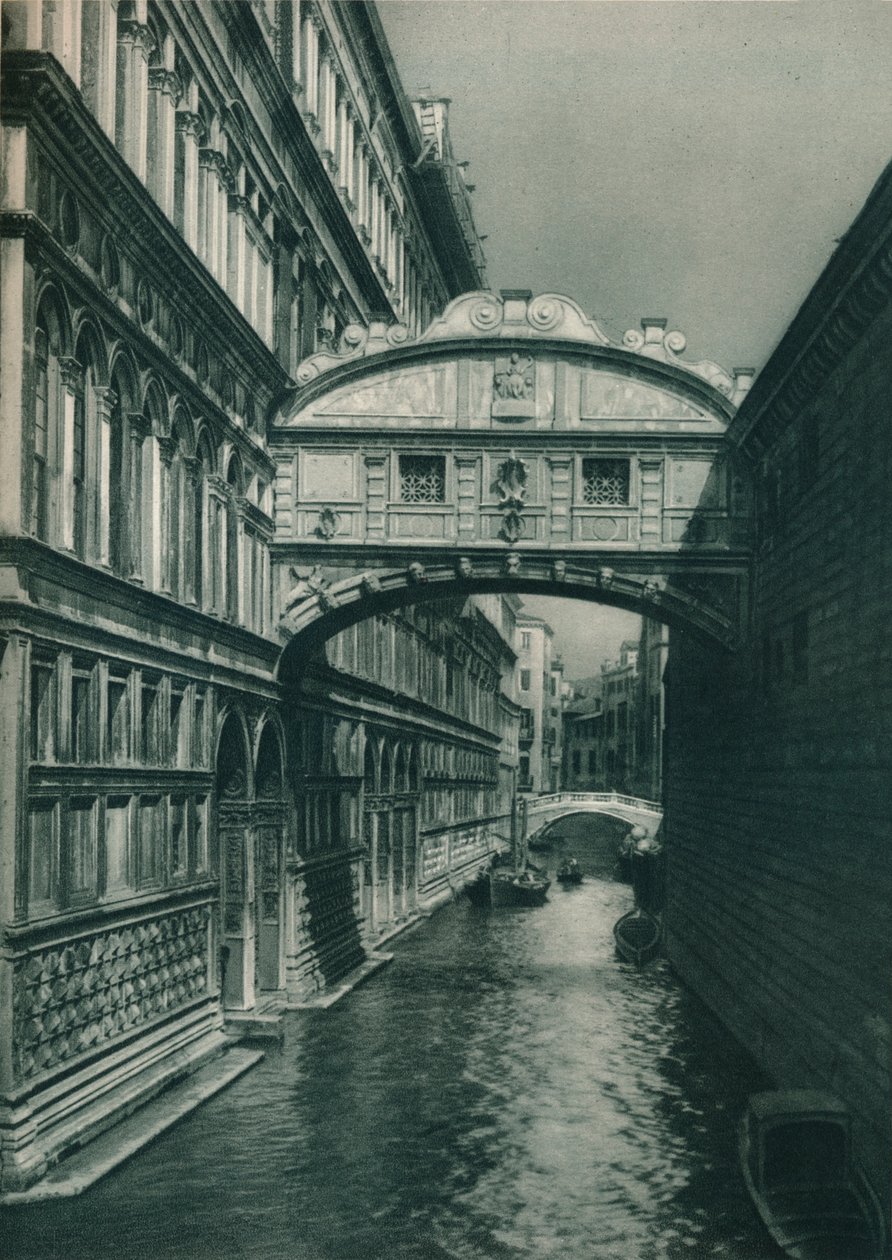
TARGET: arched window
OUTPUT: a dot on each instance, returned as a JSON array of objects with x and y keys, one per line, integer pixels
[
  {"x": 399, "y": 771},
  {"x": 234, "y": 481},
  {"x": 122, "y": 528},
  {"x": 181, "y": 514},
  {"x": 203, "y": 527},
  {"x": 368, "y": 773},
  {"x": 386, "y": 770},
  {"x": 90, "y": 464},
  {"x": 46, "y": 389}
]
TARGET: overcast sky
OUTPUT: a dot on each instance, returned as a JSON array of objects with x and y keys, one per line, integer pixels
[{"x": 692, "y": 159}]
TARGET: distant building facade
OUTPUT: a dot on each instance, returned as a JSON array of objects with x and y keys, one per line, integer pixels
[
  {"x": 540, "y": 693},
  {"x": 583, "y": 752},
  {"x": 614, "y": 723},
  {"x": 646, "y": 773},
  {"x": 196, "y": 197}
]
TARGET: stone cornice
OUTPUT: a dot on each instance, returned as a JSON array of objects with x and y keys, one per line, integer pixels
[
  {"x": 854, "y": 287},
  {"x": 65, "y": 572},
  {"x": 36, "y": 92}
]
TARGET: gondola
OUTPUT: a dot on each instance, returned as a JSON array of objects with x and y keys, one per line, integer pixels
[
  {"x": 637, "y": 936},
  {"x": 796, "y": 1159}
]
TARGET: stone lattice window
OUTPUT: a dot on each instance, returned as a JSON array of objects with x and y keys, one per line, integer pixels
[
  {"x": 605, "y": 482},
  {"x": 422, "y": 479}
]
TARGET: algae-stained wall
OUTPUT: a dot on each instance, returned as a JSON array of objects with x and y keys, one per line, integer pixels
[{"x": 779, "y": 810}]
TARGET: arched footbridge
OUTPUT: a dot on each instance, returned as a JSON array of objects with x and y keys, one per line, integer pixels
[{"x": 542, "y": 811}]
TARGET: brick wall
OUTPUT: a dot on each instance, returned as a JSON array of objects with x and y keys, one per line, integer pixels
[{"x": 779, "y": 767}]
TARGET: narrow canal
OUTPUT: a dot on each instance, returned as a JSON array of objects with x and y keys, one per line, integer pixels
[{"x": 505, "y": 1088}]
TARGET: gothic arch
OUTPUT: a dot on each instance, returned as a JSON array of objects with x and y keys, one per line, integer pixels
[
  {"x": 385, "y": 767},
  {"x": 269, "y": 758},
  {"x": 89, "y": 341},
  {"x": 232, "y": 757},
  {"x": 370, "y": 776},
  {"x": 155, "y": 407},
  {"x": 52, "y": 311},
  {"x": 123, "y": 376}
]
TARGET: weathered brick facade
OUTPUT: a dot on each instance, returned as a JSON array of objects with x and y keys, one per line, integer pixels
[{"x": 780, "y": 762}]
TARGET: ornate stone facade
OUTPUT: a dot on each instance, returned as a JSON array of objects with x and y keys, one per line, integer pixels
[{"x": 169, "y": 258}]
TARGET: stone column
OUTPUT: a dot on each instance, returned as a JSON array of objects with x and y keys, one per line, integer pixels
[
  {"x": 18, "y": 406},
  {"x": 242, "y": 544},
  {"x": 216, "y": 542},
  {"x": 104, "y": 400},
  {"x": 152, "y": 510},
  {"x": 189, "y": 131},
  {"x": 139, "y": 566},
  {"x": 192, "y": 485},
  {"x": 98, "y": 60},
  {"x": 61, "y": 34},
  {"x": 209, "y": 184},
  {"x": 327, "y": 108},
  {"x": 135, "y": 41},
  {"x": 166, "y": 450},
  {"x": 226, "y": 186},
  {"x": 296, "y": 71},
  {"x": 238, "y": 215},
  {"x": 14, "y": 857},
  {"x": 71, "y": 376},
  {"x": 344, "y": 157},
  {"x": 164, "y": 95},
  {"x": 310, "y": 59}
]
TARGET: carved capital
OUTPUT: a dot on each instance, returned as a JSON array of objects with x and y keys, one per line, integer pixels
[
  {"x": 213, "y": 159},
  {"x": 190, "y": 124},
  {"x": 105, "y": 399},
  {"x": 167, "y": 448},
  {"x": 165, "y": 81},
  {"x": 139, "y": 425},
  {"x": 138, "y": 34},
  {"x": 72, "y": 374}
]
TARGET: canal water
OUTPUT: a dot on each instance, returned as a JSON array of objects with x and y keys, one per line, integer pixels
[{"x": 505, "y": 1088}]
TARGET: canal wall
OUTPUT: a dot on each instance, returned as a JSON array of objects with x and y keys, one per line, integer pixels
[{"x": 779, "y": 759}]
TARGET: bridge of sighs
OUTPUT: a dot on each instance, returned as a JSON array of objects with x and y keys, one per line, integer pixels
[{"x": 511, "y": 446}]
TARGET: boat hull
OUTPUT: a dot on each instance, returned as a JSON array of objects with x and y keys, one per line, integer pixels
[
  {"x": 637, "y": 937},
  {"x": 835, "y": 1217},
  {"x": 506, "y": 889}
]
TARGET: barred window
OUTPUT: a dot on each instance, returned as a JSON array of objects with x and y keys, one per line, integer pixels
[
  {"x": 605, "y": 482},
  {"x": 422, "y": 479}
]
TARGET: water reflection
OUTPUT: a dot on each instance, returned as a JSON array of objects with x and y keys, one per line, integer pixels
[{"x": 504, "y": 1089}]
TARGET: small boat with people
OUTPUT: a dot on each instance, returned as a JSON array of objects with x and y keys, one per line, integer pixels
[
  {"x": 637, "y": 936},
  {"x": 569, "y": 871},
  {"x": 503, "y": 886},
  {"x": 796, "y": 1160}
]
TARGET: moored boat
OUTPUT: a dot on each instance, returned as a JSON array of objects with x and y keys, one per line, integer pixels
[
  {"x": 796, "y": 1160},
  {"x": 637, "y": 936},
  {"x": 508, "y": 888}
]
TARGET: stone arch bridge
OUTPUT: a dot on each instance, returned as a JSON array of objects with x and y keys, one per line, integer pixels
[
  {"x": 512, "y": 446},
  {"x": 543, "y": 811}
]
